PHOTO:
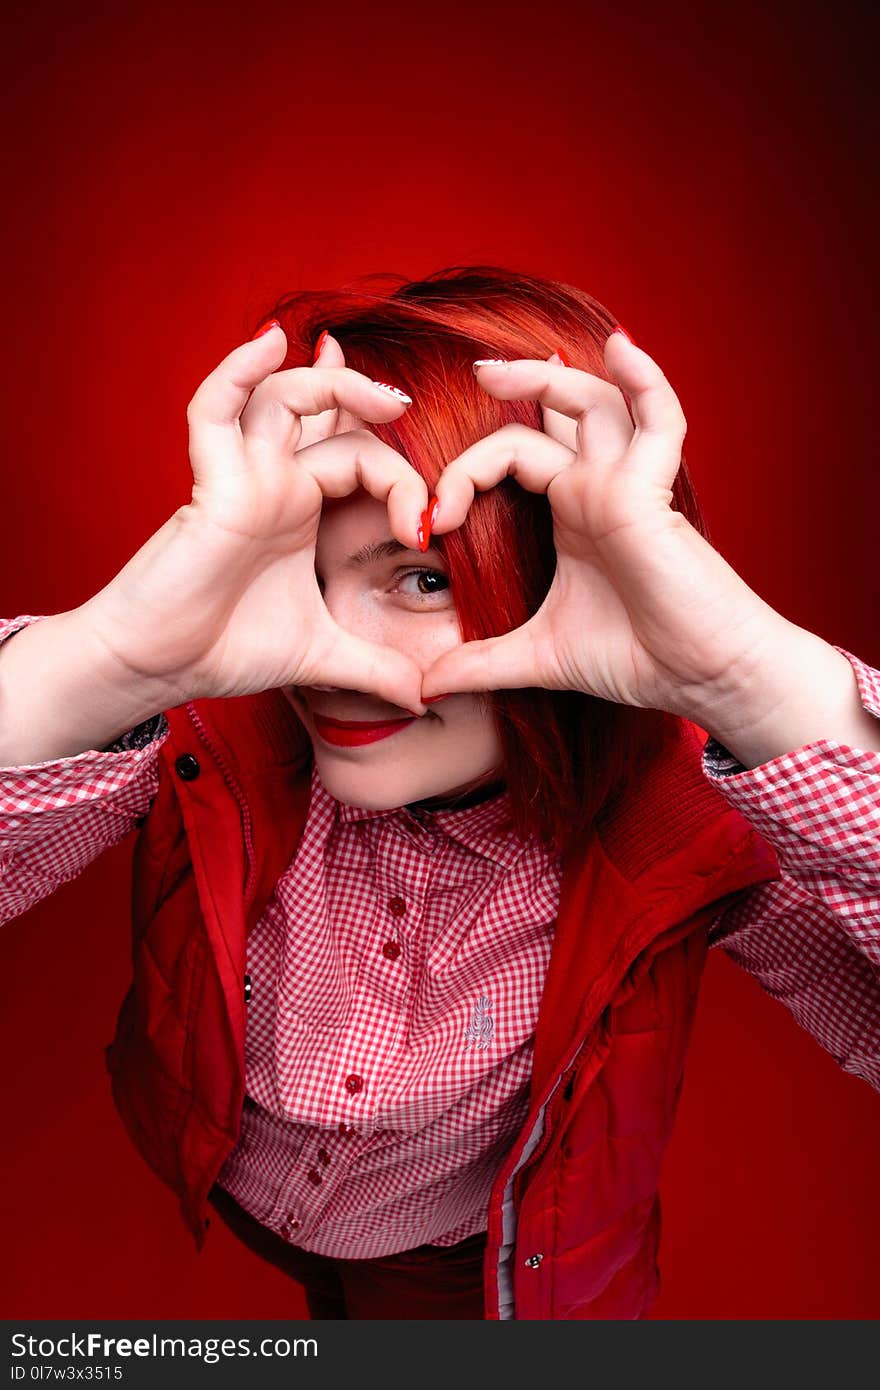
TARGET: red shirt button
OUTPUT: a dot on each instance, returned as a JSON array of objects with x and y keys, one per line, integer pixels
[
  {"x": 391, "y": 950},
  {"x": 323, "y": 1156},
  {"x": 293, "y": 1221},
  {"x": 345, "y": 1129},
  {"x": 397, "y": 906},
  {"x": 354, "y": 1083},
  {"x": 313, "y": 1176}
]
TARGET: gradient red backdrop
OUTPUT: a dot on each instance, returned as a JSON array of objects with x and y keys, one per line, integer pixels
[{"x": 703, "y": 170}]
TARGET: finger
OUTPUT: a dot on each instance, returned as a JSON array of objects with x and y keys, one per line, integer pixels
[
  {"x": 508, "y": 662},
  {"x": 310, "y": 390},
  {"x": 217, "y": 438},
  {"x": 354, "y": 663},
  {"x": 270, "y": 426},
  {"x": 223, "y": 395},
  {"x": 660, "y": 422},
  {"x": 357, "y": 458},
  {"x": 604, "y": 429},
  {"x": 656, "y": 407},
  {"x": 328, "y": 353},
  {"x": 559, "y": 427},
  {"x": 515, "y": 450},
  {"x": 213, "y": 413}
]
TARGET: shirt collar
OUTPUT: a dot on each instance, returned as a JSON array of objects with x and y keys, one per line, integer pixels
[{"x": 486, "y": 829}]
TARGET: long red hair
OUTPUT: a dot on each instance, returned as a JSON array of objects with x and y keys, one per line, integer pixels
[{"x": 565, "y": 752}]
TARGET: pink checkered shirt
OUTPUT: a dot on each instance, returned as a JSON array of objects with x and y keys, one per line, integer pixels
[{"x": 398, "y": 967}]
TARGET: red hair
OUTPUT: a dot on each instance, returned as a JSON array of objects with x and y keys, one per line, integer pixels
[{"x": 565, "y": 753}]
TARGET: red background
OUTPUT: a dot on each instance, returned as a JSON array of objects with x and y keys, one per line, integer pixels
[{"x": 703, "y": 171}]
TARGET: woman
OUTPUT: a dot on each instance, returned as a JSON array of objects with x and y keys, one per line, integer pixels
[{"x": 430, "y": 854}]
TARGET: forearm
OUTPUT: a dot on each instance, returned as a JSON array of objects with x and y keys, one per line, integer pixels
[
  {"x": 61, "y": 694},
  {"x": 800, "y": 692}
]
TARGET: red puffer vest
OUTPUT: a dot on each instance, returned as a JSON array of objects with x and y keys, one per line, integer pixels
[{"x": 573, "y": 1218}]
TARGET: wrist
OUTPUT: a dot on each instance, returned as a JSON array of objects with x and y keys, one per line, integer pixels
[
  {"x": 800, "y": 692},
  {"x": 61, "y": 694}
]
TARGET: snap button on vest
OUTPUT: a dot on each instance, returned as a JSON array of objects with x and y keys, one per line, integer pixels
[
  {"x": 533, "y": 1261},
  {"x": 187, "y": 767},
  {"x": 247, "y": 989}
]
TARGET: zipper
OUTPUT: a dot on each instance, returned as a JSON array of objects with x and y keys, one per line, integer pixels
[
  {"x": 566, "y": 1078},
  {"x": 235, "y": 787}
]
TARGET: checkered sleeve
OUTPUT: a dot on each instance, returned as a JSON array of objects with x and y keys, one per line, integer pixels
[
  {"x": 812, "y": 937},
  {"x": 58, "y": 816}
]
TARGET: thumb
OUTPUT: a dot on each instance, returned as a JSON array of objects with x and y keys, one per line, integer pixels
[
  {"x": 354, "y": 663},
  {"x": 493, "y": 663}
]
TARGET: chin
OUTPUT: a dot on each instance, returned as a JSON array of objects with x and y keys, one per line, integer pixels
[
  {"x": 369, "y": 787},
  {"x": 378, "y": 789}
]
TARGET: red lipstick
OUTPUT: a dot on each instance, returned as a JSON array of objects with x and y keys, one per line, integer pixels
[{"x": 348, "y": 733}]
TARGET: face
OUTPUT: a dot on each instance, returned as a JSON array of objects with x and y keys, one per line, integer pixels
[{"x": 403, "y": 601}]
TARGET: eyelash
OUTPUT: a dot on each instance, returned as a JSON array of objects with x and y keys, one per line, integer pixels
[{"x": 407, "y": 573}]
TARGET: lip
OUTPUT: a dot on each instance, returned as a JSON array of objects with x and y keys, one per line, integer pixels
[{"x": 347, "y": 733}]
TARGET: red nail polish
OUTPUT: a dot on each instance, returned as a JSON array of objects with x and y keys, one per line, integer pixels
[
  {"x": 562, "y": 357},
  {"x": 432, "y": 699},
  {"x": 619, "y": 328},
  {"x": 423, "y": 531},
  {"x": 433, "y": 508},
  {"x": 318, "y": 345},
  {"x": 267, "y": 326}
]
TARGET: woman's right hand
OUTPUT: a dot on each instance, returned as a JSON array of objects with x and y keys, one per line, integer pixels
[{"x": 223, "y": 600}]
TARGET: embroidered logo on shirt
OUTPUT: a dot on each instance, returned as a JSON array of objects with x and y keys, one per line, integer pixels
[{"x": 482, "y": 1025}]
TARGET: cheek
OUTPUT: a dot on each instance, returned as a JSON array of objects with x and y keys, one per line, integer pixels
[
  {"x": 469, "y": 720},
  {"x": 430, "y": 639}
]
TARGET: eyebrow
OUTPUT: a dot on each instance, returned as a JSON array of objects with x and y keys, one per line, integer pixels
[{"x": 380, "y": 550}]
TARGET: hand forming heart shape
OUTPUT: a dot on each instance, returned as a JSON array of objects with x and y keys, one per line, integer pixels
[{"x": 642, "y": 610}]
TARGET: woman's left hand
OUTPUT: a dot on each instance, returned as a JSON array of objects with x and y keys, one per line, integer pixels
[{"x": 642, "y": 610}]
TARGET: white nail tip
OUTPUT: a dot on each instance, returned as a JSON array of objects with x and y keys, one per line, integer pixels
[
  {"x": 491, "y": 362},
  {"x": 395, "y": 391}
]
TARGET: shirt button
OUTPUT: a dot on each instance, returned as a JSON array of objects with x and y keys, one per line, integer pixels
[
  {"x": 354, "y": 1083},
  {"x": 391, "y": 950},
  {"x": 293, "y": 1221},
  {"x": 323, "y": 1156},
  {"x": 345, "y": 1129},
  {"x": 314, "y": 1176},
  {"x": 187, "y": 767},
  {"x": 397, "y": 906}
]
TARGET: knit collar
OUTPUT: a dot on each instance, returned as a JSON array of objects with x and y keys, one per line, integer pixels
[{"x": 486, "y": 828}]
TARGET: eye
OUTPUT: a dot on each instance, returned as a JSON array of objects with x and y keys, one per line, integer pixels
[{"x": 425, "y": 577}]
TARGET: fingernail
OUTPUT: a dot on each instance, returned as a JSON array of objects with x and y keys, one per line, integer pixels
[
  {"x": 432, "y": 699},
  {"x": 489, "y": 362},
  {"x": 318, "y": 345},
  {"x": 426, "y": 521},
  {"x": 434, "y": 507},
  {"x": 266, "y": 328},
  {"x": 395, "y": 391},
  {"x": 562, "y": 357},
  {"x": 619, "y": 328}
]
